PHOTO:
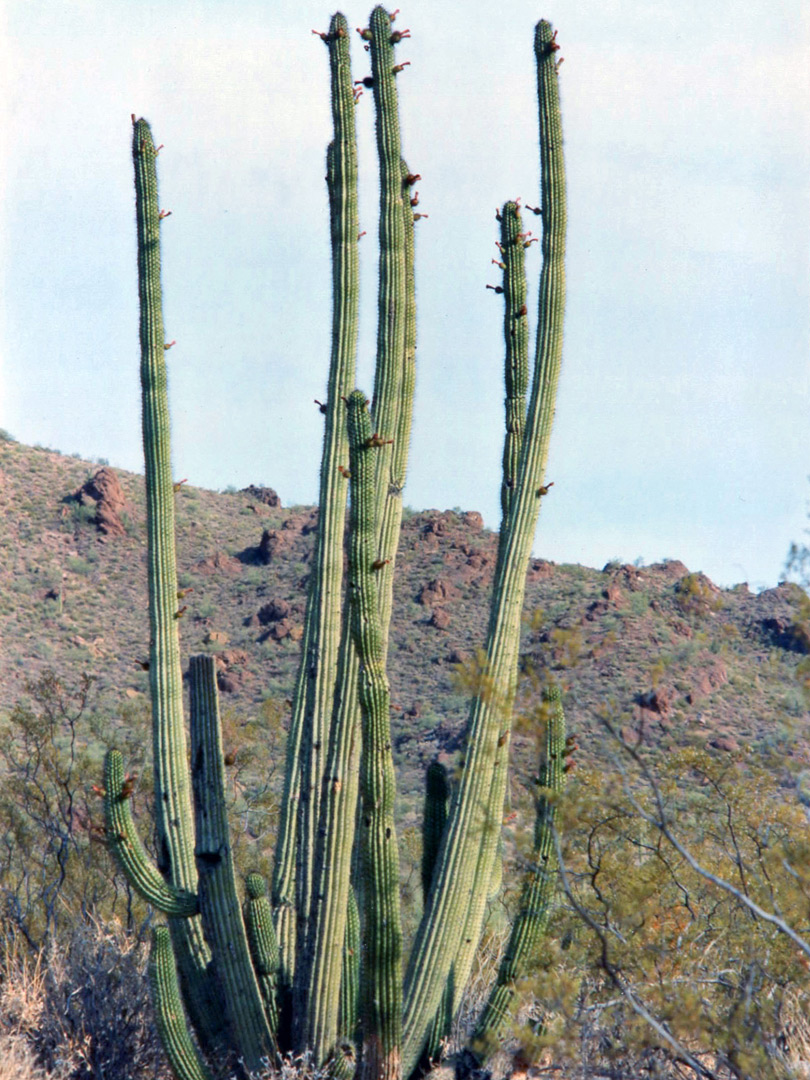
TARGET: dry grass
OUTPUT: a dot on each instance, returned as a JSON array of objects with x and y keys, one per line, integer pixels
[{"x": 77, "y": 1010}]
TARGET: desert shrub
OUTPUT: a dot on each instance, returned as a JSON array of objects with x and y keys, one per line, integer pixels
[
  {"x": 77, "y": 1008},
  {"x": 695, "y": 595},
  {"x": 54, "y": 867}
]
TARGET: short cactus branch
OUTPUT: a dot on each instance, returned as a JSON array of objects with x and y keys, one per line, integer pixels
[
  {"x": 537, "y": 899},
  {"x": 219, "y": 904},
  {"x": 184, "y": 1057},
  {"x": 263, "y": 944},
  {"x": 131, "y": 855}
]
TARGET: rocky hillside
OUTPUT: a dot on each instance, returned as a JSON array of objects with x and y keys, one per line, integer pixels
[{"x": 668, "y": 653}]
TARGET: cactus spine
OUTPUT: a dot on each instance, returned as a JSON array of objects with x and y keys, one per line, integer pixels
[{"x": 312, "y": 955}]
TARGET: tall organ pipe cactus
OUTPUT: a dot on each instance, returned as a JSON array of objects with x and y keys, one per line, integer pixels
[{"x": 305, "y": 969}]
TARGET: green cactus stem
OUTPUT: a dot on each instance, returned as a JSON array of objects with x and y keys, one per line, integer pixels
[
  {"x": 381, "y": 1000},
  {"x": 391, "y": 316},
  {"x": 348, "y": 1013},
  {"x": 465, "y": 863},
  {"x": 125, "y": 844},
  {"x": 314, "y": 693},
  {"x": 394, "y": 383},
  {"x": 390, "y": 521},
  {"x": 264, "y": 950},
  {"x": 184, "y": 1057},
  {"x": 516, "y": 336},
  {"x": 537, "y": 899},
  {"x": 219, "y": 904},
  {"x": 173, "y": 817}
]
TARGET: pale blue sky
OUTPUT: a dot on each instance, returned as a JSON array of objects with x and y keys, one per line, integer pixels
[{"x": 681, "y": 424}]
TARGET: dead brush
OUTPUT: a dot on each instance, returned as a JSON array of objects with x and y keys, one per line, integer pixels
[{"x": 77, "y": 1008}]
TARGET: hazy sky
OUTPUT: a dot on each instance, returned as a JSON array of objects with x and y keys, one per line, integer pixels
[{"x": 682, "y": 421}]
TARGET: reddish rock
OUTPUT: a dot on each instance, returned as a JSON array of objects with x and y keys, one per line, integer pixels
[
  {"x": 231, "y": 673},
  {"x": 631, "y": 577},
  {"x": 726, "y": 743},
  {"x": 540, "y": 570},
  {"x": 672, "y": 569},
  {"x": 437, "y": 591},
  {"x": 439, "y": 619},
  {"x": 473, "y": 520},
  {"x": 274, "y": 611},
  {"x": 657, "y": 701},
  {"x": 264, "y": 495},
  {"x": 219, "y": 563},
  {"x": 104, "y": 492},
  {"x": 707, "y": 680},
  {"x": 272, "y": 545},
  {"x": 285, "y": 628},
  {"x": 613, "y": 593},
  {"x": 458, "y": 656}
]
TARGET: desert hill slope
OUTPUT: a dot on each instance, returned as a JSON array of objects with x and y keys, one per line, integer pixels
[{"x": 664, "y": 649}]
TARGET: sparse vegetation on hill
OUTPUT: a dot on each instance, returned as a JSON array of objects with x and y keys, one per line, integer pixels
[{"x": 720, "y": 677}]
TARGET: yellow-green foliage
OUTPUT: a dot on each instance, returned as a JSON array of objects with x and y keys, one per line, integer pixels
[
  {"x": 727, "y": 985},
  {"x": 695, "y": 595}
]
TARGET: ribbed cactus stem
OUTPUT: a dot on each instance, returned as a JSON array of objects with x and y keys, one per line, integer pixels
[
  {"x": 125, "y": 844},
  {"x": 466, "y": 859},
  {"x": 173, "y": 818},
  {"x": 264, "y": 950},
  {"x": 537, "y": 898},
  {"x": 184, "y": 1057},
  {"x": 348, "y": 1013},
  {"x": 391, "y": 285},
  {"x": 516, "y": 336},
  {"x": 390, "y": 521},
  {"x": 381, "y": 993},
  {"x": 394, "y": 383},
  {"x": 314, "y": 693},
  {"x": 219, "y": 904}
]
